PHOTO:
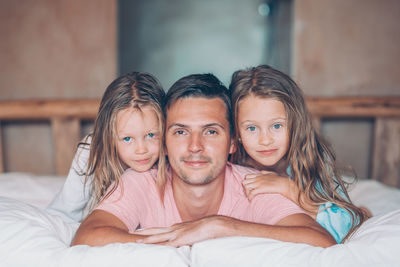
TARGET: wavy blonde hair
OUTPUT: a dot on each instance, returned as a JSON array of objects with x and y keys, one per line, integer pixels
[
  {"x": 133, "y": 90},
  {"x": 311, "y": 159}
]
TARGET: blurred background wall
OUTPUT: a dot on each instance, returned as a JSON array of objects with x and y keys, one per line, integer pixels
[
  {"x": 347, "y": 48},
  {"x": 74, "y": 49},
  {"x": 52, "y": 49}
]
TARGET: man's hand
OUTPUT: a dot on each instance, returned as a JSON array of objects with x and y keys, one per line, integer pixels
[
  {"x": 181, "y": 234},
  {"x": 294, "y": 228}
]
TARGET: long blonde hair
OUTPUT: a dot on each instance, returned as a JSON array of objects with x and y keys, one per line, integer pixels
[
  {"x": 311, "y": 159},
  {"x": 133, "y": 90}
]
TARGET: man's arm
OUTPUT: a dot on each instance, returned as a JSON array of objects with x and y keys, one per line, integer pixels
[
  {"x": 298, "y": 228},
  {"x": 102, "y": 228}
]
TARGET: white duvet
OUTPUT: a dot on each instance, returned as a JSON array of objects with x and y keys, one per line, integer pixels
[{"x": 31, "y": 237}]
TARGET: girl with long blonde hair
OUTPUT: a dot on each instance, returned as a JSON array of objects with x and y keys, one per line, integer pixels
[
  {"x": 128, "y": 133},
  {"x": 274, "y": 134}
]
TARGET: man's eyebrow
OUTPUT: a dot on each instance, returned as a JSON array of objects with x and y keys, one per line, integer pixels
[
  {"x": 180, "y": 125},
  {"x": 177, "y": 125},
  {"x": 213, "y": 125}
]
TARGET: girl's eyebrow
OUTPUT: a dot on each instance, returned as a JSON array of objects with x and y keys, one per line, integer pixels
[
  {"x": 247, "y": 121},
  {"x": 272, "y": 119},
  {"x": 279, "y": 118}
]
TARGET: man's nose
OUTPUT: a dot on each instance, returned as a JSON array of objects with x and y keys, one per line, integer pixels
[{"x": 196, "y": 143}]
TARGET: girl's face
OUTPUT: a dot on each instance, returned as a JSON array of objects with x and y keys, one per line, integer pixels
[
  {"x": 263, "y": 131},
  {"x": 139, "y": 138}
]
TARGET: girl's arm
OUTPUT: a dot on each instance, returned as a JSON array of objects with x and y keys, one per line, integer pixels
[{"x": 271, "y": 183}]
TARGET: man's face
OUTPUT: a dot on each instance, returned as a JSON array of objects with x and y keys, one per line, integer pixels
[{"x": 197, "y": 139}]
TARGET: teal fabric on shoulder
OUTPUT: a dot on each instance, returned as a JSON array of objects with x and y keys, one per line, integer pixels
[{"x": 336, "y": 220}]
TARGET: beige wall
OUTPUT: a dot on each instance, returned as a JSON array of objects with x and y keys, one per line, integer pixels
[
  {"x": 347, "y": 47},
  {"x": 68, "y": 49},
  {"x": 52, "y": 49}
]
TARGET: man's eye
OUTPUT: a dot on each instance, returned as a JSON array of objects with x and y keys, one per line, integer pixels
[
  {"x": 179, "y": 132},
  {"x": 251, "y": 128},
  {"x": 211, "y": 132},
  {"x": 127, "y": 139}
]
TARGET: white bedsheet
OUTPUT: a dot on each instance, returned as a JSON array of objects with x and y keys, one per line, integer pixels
[
  {"x": 31, "y": 237},
  {"x": 37, "y": 190}
]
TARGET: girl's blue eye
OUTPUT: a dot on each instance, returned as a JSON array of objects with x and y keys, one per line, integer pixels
[
  {"x": 151, "y": 135},
  {"x": 277, "y": 126},
  {"x": 127, "y": 139},
  {"x": 251, "y": 128}
]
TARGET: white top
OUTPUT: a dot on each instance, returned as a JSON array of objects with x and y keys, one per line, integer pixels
[{"x": 71, "y": 202}]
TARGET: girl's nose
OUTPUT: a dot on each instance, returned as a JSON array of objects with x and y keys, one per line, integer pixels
[
  {"x": 265, "y": 138},
  {"x": 141, "y": 147}
]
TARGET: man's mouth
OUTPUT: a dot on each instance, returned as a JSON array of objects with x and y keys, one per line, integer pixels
[{"x": 195, "y": 164}]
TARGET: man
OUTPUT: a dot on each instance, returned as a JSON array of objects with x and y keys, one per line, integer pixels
[{"x": 203, "y": 196}]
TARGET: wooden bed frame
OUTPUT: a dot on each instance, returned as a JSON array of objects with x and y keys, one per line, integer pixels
[{"x": 65, "y": 117}]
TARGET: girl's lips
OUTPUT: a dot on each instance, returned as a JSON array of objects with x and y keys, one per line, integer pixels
[
  {"x": 267, "y": 152},
  {"x": 142, "y": 161}
]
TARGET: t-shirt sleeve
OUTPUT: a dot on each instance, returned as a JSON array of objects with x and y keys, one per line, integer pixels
[
  {"x": 336, "y": 220},
  {"x": 271, "y": 208},
  {"x": 124, "y": 202},
  {"x": 72, "y": 200}
]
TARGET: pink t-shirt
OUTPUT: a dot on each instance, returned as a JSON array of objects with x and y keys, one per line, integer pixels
[{"x": 136, "y": 201}]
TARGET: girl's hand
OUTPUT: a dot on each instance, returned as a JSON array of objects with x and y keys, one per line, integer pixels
[
  {"x": 268, "y": 183},
  {"x": 271, "y": 183}
]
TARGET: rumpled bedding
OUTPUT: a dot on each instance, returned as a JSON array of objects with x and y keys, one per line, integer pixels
[{"x": 29, "y": 236}]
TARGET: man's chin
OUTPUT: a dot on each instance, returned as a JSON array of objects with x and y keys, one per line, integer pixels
[{"x": 197, "y": 180}]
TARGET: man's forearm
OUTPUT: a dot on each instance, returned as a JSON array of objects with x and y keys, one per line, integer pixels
[
  {"x": 311, "y": 235},
  {"x": 306, "y": 231},
  {"x": 100, "y": 236},
  {"x": 101, "y": 228}
]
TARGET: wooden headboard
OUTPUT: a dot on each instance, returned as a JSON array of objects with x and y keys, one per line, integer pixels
[{"x": 65, "y": 117}]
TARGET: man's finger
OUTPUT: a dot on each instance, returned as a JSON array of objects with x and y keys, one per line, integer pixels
[
  {"x": 157, "y": 239},
  {"x": 251, "y": 175},
  {"x": 153, "y": 231},
  {"x": 267, "y": 172}
]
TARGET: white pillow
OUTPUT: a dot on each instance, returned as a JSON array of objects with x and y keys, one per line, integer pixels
[
  {"x": 37, "y": 190},
  {"x": 32, "y": 237},
  {"x": 375, "y": 243},
  {"x": 376, "y": 196}
]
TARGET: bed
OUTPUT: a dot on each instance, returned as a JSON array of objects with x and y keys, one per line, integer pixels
[{"x": 29, "y": 236}]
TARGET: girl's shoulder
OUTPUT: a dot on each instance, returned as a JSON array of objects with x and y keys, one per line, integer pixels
[{"x": 239, "y": 171}]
